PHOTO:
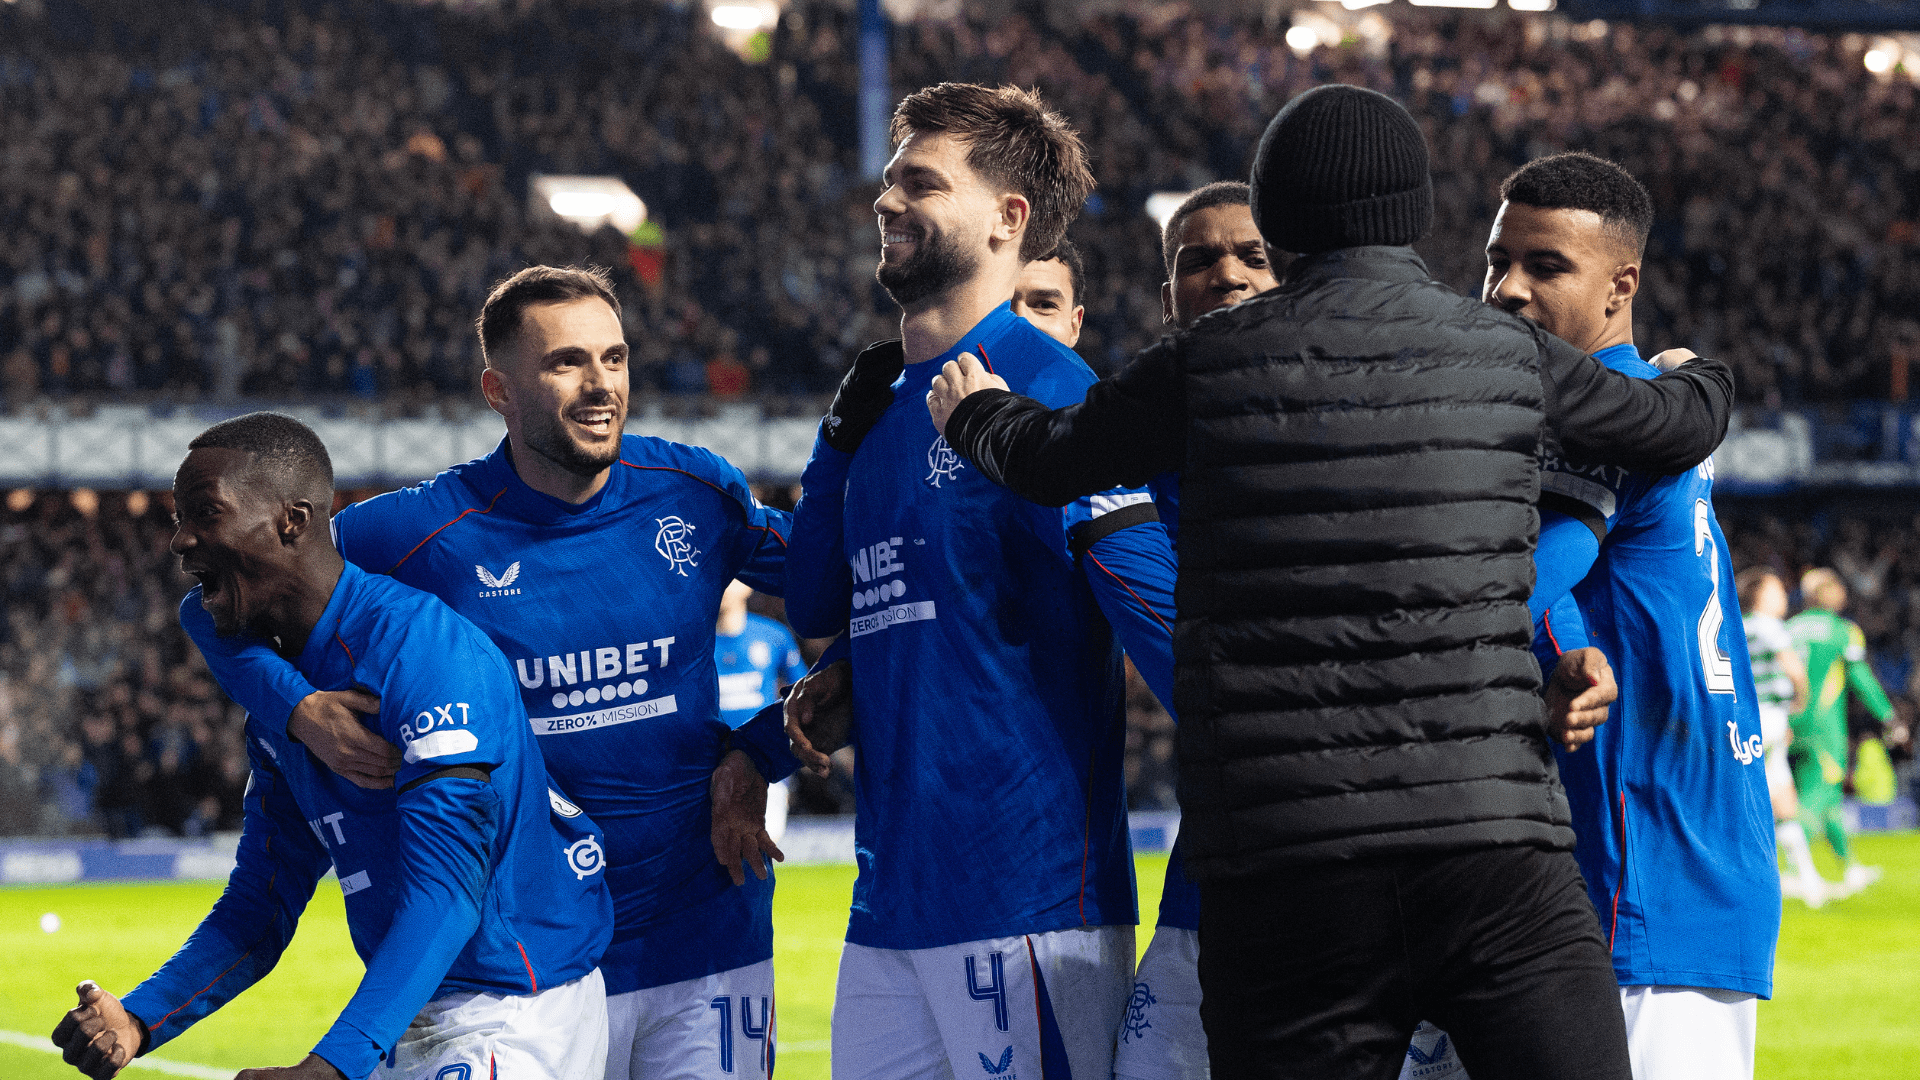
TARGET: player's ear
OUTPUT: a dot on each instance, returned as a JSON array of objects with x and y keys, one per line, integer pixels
[
  {"x": 1626, "y": 283},
  {"x": 493, "y": 387},
  {"x": 1166, "y": 302},
  {"x": 297, "y": 518},
  {"x": 1011, "y": 222}
]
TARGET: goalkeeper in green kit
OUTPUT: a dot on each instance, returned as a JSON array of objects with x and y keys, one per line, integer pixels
[{"x": 1836, "y": 654}]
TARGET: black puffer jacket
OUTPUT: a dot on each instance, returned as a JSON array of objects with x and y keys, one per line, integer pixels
[{"x": 1359, "y": 452}]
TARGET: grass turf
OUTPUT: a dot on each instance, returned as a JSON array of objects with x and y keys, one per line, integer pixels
[{"x": 1844, "y": 978}]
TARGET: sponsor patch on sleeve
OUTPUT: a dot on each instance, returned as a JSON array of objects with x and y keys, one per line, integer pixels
[{"x": 440, "y": 744}]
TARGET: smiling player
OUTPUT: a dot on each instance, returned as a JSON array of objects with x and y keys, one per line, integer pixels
[
  {"x": 596, "y": 562},
  {"x": 474, "y": 895},
  {"x": 992, "y": 926}
]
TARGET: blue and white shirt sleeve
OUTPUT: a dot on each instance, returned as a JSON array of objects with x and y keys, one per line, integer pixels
[
  {"x": 261, "y": 681},
  {"x": 275, "y": 869},
  {"x": 446, "y": 708}
]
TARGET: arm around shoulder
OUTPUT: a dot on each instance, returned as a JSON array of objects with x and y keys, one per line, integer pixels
[
  {"x": 1661, "y": 426},
  {"x": 1131, "y": 427}
]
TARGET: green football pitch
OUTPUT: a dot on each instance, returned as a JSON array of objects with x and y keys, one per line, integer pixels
[{"x": 1845, "y": 980}]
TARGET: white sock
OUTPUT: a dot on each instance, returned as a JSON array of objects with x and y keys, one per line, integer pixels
[{"x": 1794, "y": 839}]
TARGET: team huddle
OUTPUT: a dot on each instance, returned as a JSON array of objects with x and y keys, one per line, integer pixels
[{"x": 1426, "y": 541}]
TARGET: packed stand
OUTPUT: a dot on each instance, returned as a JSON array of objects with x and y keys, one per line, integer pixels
[
  {"x": 274, "y": 199},
  {"x": 109, "y": 722}
]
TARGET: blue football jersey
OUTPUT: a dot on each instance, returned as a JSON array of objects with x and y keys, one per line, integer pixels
[
  {"x": 988, "y": 703},
  {"x": 1669, "y": 801},
  {"x": 753, "y": 665},
  {"x": 537, "y": 885}
]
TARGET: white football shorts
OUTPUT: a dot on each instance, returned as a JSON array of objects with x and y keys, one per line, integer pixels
[
  {"x": 1004, "y": 1007},
  {"x": 714, "y": 1027},
  {"x": 1690, "y": 1033},
  {"x": 1160, "y": 1035},
  {"x": 557, "y": 1034}
]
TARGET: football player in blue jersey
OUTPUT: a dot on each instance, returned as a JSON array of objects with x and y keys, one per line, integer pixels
[
  {"x": 1049, "y": 291},
  {"x": 992, "y": 921},
  {"x": 1214, "y": 258},
  {"x": 1670, "y": 804},
  {"x": 755, "y": 656},
  {"x": 596, "y": 562},
  {"x": 474, "y": 894}
]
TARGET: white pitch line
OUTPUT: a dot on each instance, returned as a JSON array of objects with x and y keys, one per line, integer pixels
[{"x": 154, "y": 1064}]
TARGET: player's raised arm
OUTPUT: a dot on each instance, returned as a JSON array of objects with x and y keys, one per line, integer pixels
[
  {"x": 819, "y": 583},
  {"x": 1130, "y": 428},
  {"x": 241, "y": 939},
  {"x": 819, "y": 586}
]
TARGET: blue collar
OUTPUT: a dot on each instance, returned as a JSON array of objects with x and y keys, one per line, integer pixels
[
  {"x": 328, "y": 627},
  {"x": 523, "y": 503}
]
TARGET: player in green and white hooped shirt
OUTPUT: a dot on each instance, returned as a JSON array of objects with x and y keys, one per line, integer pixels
[
  {"x": 1780, "y": 688},
  {"x": 1836, "y": 654}
]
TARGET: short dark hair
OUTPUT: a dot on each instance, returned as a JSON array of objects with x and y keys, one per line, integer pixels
[
  {"x": 1577, "y": 180},
  {"x": 508, "y": 302},
  {"x": 1069, "y": 257},
  {"x": 1016, "y": 143},
  {"x": 1218, "y": 193},
  {"x": 284, "y": 450}
]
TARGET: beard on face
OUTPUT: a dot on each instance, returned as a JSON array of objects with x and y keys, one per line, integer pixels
[
  {"x": 546, "y": 434},
  {"x": 937, "y": 264}
]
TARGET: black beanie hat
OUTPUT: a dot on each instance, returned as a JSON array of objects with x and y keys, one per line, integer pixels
[{"x": 1341, "y": 166}]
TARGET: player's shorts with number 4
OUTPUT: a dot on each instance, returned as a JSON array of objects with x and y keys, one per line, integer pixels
[
  {"x": 1012, "y": 1008},
  {"x": 709, "y": 1028},
  {"x": 557, "y": 1034}
]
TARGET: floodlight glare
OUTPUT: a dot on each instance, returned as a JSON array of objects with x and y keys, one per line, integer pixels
[
  {"x": 1878, "y": 62},
  {"x": 1482, "y": 4},
  {"x": 1302, "y": 39},
  {"x": 738, "y": 16},
  {"x": 1162, "y": 204},
  {"x": 1531, "y": 5},
  {"x": 588, "y": 201},
  {"x": 576, "y": 204}
]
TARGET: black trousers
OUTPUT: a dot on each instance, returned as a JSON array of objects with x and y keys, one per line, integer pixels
[{"x": 1323, "y": 972}]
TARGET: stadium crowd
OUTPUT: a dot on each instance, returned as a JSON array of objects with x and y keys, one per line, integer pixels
[{"x": 276, "y": 199}]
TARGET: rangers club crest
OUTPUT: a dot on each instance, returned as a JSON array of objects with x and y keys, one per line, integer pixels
[
  {"x": 674, "y": 542},
  {"x": 943, "y": 461}
]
